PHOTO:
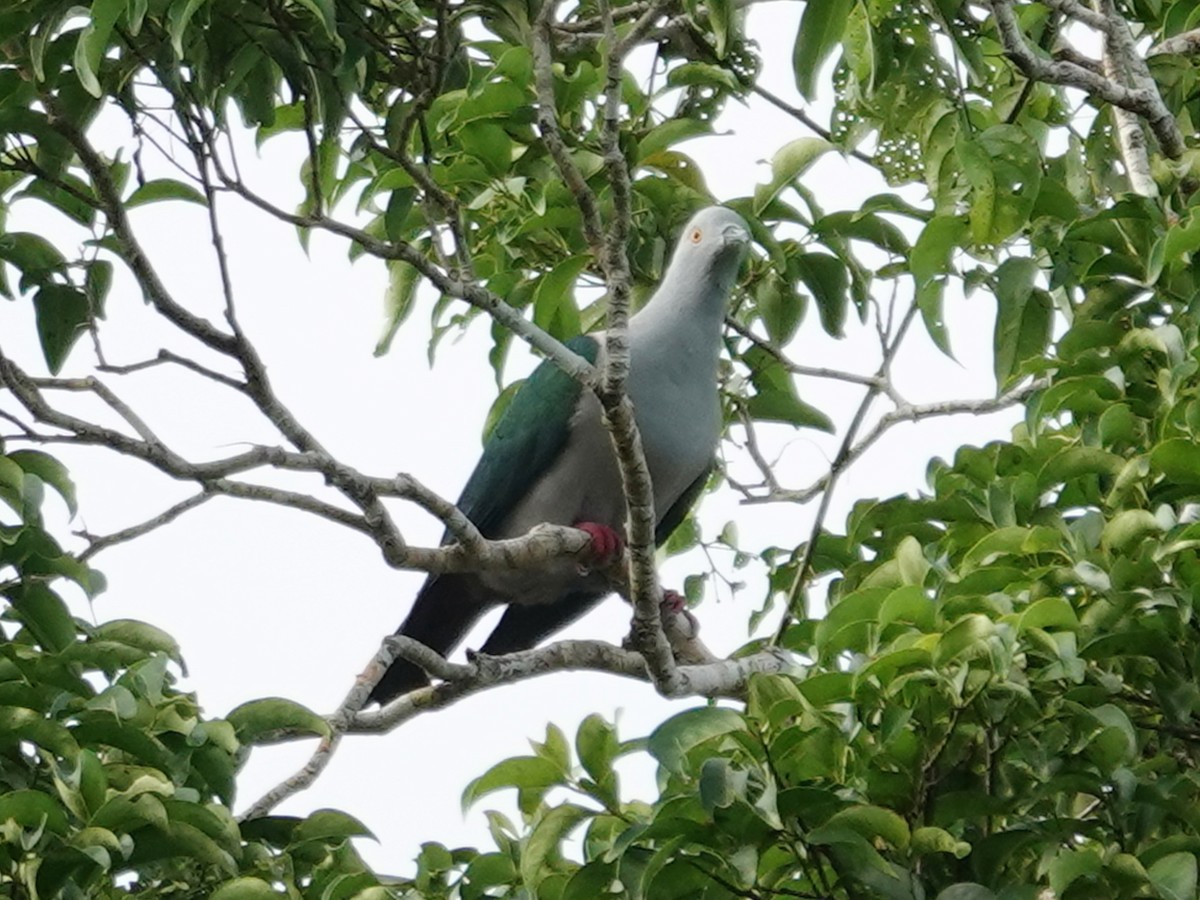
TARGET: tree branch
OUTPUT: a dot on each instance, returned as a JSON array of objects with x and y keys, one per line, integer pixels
[{"x": 1142, "y": 100}]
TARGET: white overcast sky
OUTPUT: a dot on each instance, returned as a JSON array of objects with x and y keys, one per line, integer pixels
[{"x": 267, "y": 602}]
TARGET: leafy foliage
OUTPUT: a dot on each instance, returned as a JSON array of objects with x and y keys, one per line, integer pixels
[
  {"x": 111, "y": 782},
  {"x": 1000, "y": 698}
]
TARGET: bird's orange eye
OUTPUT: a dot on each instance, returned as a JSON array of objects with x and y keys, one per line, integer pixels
[{"x": 697, "y": 234}]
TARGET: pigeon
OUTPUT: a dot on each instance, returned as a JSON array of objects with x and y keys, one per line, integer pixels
[{"x": 551, "y": 460}]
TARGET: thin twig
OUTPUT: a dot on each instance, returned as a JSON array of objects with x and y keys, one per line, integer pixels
[
  {"x": 96, "y": 543},
  {"x": 167, "y": 357},
  {"x": 839, "y": 464}
]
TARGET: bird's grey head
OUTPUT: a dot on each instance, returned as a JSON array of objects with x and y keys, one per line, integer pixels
[{"x": 711, "y": 246}]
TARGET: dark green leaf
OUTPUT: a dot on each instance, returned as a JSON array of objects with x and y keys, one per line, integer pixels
[
  {"x": 523, "y": 772},
  {"x": 63, "y": 313},
  {"x": 821, "y": 29},
  {"x": 829, "y": 282},
  {"x": 1023, "y": 319},
  {"x": 164, "y": 189},
  {"x": 789, "y": 162},
  {"x": 273, "y": 719},
  {"x": 670, "y": 742},
  {"x": 50, "y": 470}
]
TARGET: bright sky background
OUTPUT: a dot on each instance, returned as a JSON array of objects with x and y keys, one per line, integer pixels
[{"x": 267, "y": 602}]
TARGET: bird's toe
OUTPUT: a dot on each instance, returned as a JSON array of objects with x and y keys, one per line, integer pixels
[
  {"x": 607, "y": 544},
  {"x": 673, "y": 601}
]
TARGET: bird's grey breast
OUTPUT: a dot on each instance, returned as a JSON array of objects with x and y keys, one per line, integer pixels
[{"x": 673, "y": 385}]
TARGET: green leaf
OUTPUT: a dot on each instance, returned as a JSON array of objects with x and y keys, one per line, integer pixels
[
  {"x": 827, "y": 278},
  {"x": 692, "y": 74},
  {"x": 873, "y": 822},
  {"x": 908, "y": 604},
  {"x": 325, "y": 12},
  {"x": 597, "y": 746},
  {"x": 932, "y": 253},
  {"x": 50, "y": 470},
  {"x": 789, "y": 162},
  {"x": 28, "y": 725},
  {"x": 400, "y": 203},
  {"x": 521, "y": 772},
  {"x": 669, "y": 133},
  {"x": 1127, "y": 528},
  {"x": 966, "y": 890},
  {"x": 1012, "y": 540},
  {"x": 45, "y": 614},
  {"x": 721, "y": 20},
  {"x": 93, "y": 41},
  {"x": 71, "y": 203},
  {"x": 1178, "y": 459},
  {"x": 33, "y": 809},
  {"x": 775, "y": 398},
  {"x": 554, "y": 307},
  {"x": 164, "y": 189},
  {"x": 1075, "y": 462},
  {"x": 716, "y": 785},
  {"x": 274, "y": 719},
  {"x": 141, "y": 635},
  {"x": 670, "y": 742},
  {"x": 62, "y": 314},
  {"x": 35, "y": 256},
  {"x": 180, "y": 16},
  {"x": 937, "y": 840},
  {"x": 1049, "y": 612},
  {"x": 1023, "y": 319},
  {"x": 930, "y": 298},
  {"x": 780, "y": 308},
  {"x": 1071, "y": 865},
  {"x": 490, "y": 144},
  {"x": 546, "y": 840},
  {"x": 821, "y": 29},
  {"x": 403, "y": 279},
  {"x": 1174, "y": 876},
  {"x": 245, "y": 889},
  {"x": 966, "y": 635},
  {"x": 97, "y": 283},
  {"x": 330, "y": 825},
  {"x": 1182, "y": 238}
]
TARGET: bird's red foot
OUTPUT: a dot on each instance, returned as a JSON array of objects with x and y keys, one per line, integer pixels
[
  {"x": 607, "y": 544},
  {"x": 673, "y": 601}
]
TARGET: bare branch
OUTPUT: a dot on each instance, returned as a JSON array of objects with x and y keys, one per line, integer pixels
[
  {"x": 1075, "y": 10},
  {"x": 802, "y": 116},
  {"x": 1123, "y": 64},
  {"x": 839, "y": 464},
  {"x": 97, "y": 387},
  {"x": 128, "y": 247},
  {"x": 645, "y": 592},
  {"x": 1186, "y": 44},
  {"x": 810, "y": 371},
  {"x": 726, "y": 678},
  {"x": 1142, "y": 100},
  {"x": 571, "y": 363},
  {"x": 96, "y": 543},
  {"x": 165, "y": 357},
  {"x": 547, "y": 118},
  {"x": 905, "y": 413}
]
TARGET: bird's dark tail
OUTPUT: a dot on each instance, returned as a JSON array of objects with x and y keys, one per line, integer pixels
[{"x": 444, "y": 611}]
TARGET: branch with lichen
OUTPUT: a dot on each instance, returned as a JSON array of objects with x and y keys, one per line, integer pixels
[
  {"x": 713, "y": 679},
  {"x": 1125, "y": 82}
]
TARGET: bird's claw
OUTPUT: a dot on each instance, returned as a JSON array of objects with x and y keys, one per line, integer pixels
[
  {"x": 673, "y": 601},
  {"x": 606, "y": 544}
]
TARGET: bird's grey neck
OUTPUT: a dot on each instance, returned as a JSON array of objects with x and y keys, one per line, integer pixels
[{"x": 685, "y": 315}]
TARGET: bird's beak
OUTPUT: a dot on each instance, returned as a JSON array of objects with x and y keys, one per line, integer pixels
[{"x": 735, "y": 235}]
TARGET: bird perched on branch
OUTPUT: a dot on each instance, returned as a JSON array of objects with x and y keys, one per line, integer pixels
[{"x": 550, "y": 458}]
